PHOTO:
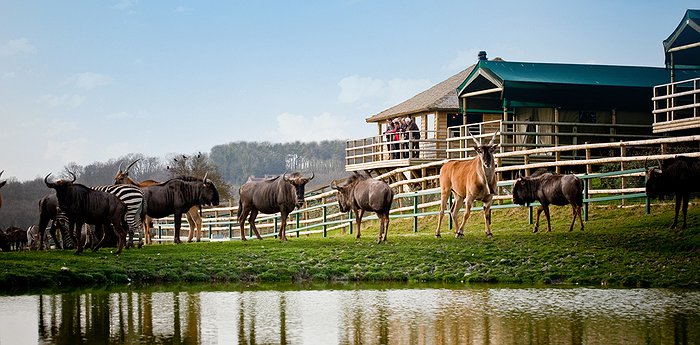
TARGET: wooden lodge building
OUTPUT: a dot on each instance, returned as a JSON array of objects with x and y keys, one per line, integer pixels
[{"x": 536, "y": 105}]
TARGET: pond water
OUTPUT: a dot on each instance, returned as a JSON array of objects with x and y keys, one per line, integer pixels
[{"x": 386, "y": 315}]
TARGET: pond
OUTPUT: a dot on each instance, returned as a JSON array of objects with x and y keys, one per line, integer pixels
[{"x": 384, "y": 315}]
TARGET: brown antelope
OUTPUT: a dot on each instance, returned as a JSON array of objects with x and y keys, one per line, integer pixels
[
  {"x": 472, "y": 180},
  {"x": 194, "y": 219}
]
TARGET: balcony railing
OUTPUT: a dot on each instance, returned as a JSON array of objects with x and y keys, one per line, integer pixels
[
  {"x": 456, "y": 142},
  {"x": 378, "y": 150},
  {"x": 677, "y": 106}
]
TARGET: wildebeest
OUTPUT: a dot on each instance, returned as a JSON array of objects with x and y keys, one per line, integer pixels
[
  {"x": 49, "y": 211},
  {"x": 361, "y": 193},
  {"x": 680, "y": 176},
  {"x": 84, "y": 205},
  {"x": 2, "y": 183},
  {"x": 548, "y": 188},
  {"x": 472, "y": 180},
  {"x": 177, "y": 195},
  {"x": 194, "y": 219},
  {"x": 279, "y": 194},
  {"x": 14, "y": 239}
]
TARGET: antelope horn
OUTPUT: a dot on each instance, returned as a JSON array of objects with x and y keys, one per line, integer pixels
[
  {"x": 74, "y": 178},
  {"x": 120, "y": 166},
  {"x": 130, "y": 165},
  {"x": 334, "y": 184},
  {"x": 473, "y": 138},
  {"x": 494, "y": 137},
  {"x": 205, "y": 176},
  {"x": 312, "y": 176},
  {"x": 2, "y": 172},
  {"x": 659, "y": 163},
  {"x": 646, "y": 165}
]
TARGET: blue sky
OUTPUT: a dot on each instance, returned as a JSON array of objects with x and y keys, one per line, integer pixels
[{"x": 86, "y": 81}]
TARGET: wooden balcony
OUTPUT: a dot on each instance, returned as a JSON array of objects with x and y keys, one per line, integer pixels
[
  {"x": 375, "y": 153},
  {"x": 677, "y": 106},
  {"x": 378, "y": 153}
]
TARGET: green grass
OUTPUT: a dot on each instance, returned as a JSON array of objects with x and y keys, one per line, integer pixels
[{"x": 619, "y": 247}]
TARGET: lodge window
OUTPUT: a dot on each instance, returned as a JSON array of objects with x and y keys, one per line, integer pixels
[{"x": 587, "y": 117}]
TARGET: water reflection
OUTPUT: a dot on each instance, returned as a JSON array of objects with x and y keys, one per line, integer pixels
[{"x": 389, "y": 316}]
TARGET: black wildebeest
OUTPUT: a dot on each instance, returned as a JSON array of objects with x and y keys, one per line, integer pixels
[
  {"x": 472, "y": 180},
  {"x": 548, "y": 188},
  {"x": 2, "y": 183},
  {"x": 680, "y": 176},
  {"x": 194, "y": 219},
  {"x": 15, "y": 239},
  {"x": 84, "y": 205},
  {"x": 50, "y": 212},
  {"x": 361, "y": 193},
  {"x": 176, "y": 196},
  {"x": 279, "y": 194}
]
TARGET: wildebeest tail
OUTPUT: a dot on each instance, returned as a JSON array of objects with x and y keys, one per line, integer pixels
[{"x": 579, "y": 195}]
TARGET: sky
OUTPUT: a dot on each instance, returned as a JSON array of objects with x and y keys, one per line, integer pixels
[{"x": 89, "y": 81}]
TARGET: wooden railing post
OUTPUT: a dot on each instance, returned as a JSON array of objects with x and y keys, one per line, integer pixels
[
  {"x": 415, "y": 212},
  {"x": 623, "y": 153},
  {"x": 325, "y": 227}
]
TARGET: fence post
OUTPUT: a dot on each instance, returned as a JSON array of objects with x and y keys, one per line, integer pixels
[
  {"x": 623, "y": 153},
  {"x": 529, "y": 215},
  {"x": 647, "y": 202},
  {"x": 585, "y": 196},
  {"x": 276, "y": 229},
  {"x": 160, "y": 232},
  {"x": 210, "y": 232},
  {"x": 230, "y": 231},
  {"x": 325, "y": 227},
  {"x": 415, "y": 212}
]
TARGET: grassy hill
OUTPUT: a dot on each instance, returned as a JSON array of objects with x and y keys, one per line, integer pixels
[{"x": 619, "y": 247}]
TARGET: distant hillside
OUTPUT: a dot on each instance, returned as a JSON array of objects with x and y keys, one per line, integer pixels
[{"x": 239, "y": 160}]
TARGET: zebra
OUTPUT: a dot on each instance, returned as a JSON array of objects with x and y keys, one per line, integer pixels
[{"x": 132, "y": 197}]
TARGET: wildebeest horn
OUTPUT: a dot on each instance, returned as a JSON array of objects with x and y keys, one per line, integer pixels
[
  {"x": 473, "y": 138},
  {"x": 312, "y": 176},
  {"x": 130, "y": 165},
  {"x": 659, "y": 163},
  {"x": 334, "y": 185},
  {"x": 205, "y": 176},
  {"x": 494, "y": 137},
  {"x": 74, "y": 178},
  {"x": 2, "y": 172},
  {"x": 284, "y": 176},
  {"x": 46, "y": 180},
  {"x": 646, "y": 165}
]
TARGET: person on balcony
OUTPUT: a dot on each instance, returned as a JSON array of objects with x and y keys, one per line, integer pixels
[
  {"x": 413, "y": 135},
  {"x": 403, "y": 131},
  {"x": 396, "y": 137},
  {"x": 389, "y": 136}
]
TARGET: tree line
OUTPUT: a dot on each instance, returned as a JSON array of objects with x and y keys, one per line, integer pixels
[{"x": 228, "y": 166}]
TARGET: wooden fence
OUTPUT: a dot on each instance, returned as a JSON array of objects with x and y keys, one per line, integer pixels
[{"x": 413, "y": 200}]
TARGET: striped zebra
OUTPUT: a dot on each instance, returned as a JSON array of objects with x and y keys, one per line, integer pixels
[{"x": 132, "y": 197}]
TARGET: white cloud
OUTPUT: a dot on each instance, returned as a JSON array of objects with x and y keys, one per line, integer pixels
[
  {"x": 73, "y": 150},
  {"x": 291, "y": 127},
  {"x": 181, "y": 9},
  {"x": 354, "y": 89},
  {"x": 125, "y": 4},
  {"x": 68, "y": 101},
  {"x": 119, "y": 116},
  {"x": 88, "y": 80},
  {"x": 463, "y": 60},
  {"x": 17, "y": 46}
]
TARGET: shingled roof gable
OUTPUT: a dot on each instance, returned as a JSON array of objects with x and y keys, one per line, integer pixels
[{"x": 442, "y": 96}]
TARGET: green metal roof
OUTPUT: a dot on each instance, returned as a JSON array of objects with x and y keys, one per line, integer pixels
[
  {"x": 570, "y": 85},
  {"x": 687, "y": 32}
]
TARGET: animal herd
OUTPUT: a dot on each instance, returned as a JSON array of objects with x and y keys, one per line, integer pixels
[{"x": 126, "y": 207}]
